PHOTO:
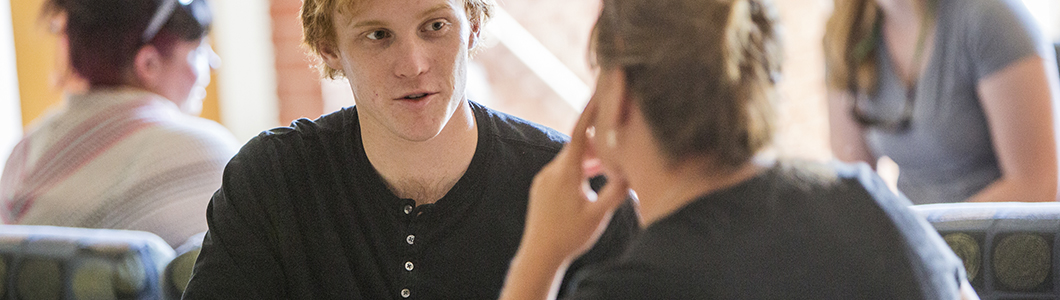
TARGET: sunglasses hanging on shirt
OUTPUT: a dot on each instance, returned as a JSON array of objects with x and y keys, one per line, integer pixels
[{"x": 862, "y": 50}]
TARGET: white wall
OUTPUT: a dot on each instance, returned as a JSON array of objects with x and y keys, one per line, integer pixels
[
  {"x": 247, "y": 77},
  {"x": 1047, "y": 13},
  {"x": 10, "y": 110}
]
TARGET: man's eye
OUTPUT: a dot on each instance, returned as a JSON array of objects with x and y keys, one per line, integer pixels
[
  {"x": 437, "y": 25},
  {"x": 378, "y": 35}
]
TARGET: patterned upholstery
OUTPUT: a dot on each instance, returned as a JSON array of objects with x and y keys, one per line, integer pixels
[
  {"x": 178, "y": 272},
  {"x": 1010, "y": 250},
  {"x": 44, "y": 262}
]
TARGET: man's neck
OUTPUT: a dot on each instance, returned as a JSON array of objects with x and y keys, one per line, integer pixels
[{"x": 423, "y": 171}]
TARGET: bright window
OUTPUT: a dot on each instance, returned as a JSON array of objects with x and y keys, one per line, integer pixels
[
  {"x": 10, "y": 111},
  {"x": 1047, "y": 13}
]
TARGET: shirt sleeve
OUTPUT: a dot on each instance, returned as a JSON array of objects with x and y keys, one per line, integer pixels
[
  {"x": 238, "y": 260},
  {"x": 999, "y": 33}
]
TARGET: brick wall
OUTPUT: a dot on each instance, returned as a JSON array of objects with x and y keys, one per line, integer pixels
[{"x": 297, "y": 84}]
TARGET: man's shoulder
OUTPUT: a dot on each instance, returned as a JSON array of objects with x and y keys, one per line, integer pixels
[
  {"x": 518, "y": 132},
  {"x": 328, "y": 132}
]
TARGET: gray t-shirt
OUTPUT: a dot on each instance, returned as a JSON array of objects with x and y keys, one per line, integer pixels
[{"x": 946, "y": 154}]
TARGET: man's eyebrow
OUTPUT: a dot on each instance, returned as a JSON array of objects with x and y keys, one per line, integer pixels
[
  {"x": 369, "y": 23},
  {"x": 435, "y": 9},
  {"x": 377, "y": 23}
]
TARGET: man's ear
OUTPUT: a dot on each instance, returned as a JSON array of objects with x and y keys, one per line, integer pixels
[
  {"x": 147, "y": 66},
  {"x": 329, "y": 54},
  {"x": 472, "y": 40}
]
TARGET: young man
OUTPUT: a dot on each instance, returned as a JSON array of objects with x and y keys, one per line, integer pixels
[{"x": 414, "y": 193}]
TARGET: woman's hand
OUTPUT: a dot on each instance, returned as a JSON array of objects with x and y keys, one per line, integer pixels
[{"x": 564, "y": 218}]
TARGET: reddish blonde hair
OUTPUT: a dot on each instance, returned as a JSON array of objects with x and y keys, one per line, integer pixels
[{"x": 318, "y": 29}]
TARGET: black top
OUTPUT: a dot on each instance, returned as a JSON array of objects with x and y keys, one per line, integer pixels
[
  {"x": 302, "y": 214},
  {"x": 789, "y": 233}
]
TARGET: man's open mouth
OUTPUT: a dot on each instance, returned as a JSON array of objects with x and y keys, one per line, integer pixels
[{"x": 415, "y": 96}]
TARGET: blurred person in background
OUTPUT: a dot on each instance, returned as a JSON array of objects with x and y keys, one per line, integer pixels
[
  {"x": 129, "y": 152},
  {"x": 961, "y": 94},
  {"x": 678, "y": 118}
]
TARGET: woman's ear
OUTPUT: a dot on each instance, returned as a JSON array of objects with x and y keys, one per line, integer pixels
[{"x": 147, "y": 66}]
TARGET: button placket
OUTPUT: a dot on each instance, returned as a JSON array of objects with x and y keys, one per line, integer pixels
[{"x": 411, "y": 213}]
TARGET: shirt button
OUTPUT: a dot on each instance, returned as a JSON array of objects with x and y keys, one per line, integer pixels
[
  {"x": 409, "y": 266},
  {"x": 410, "y": 239},
  {"x": 408, "y": 209},
  {"x": 405, "y": 293}
]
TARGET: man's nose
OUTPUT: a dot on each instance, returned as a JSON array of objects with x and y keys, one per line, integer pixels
[{"x": 413, "y": 59}]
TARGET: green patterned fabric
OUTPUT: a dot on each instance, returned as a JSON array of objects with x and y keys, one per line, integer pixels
[
  {"x": 178, "y": 272},
  {"x": 3, "y": 275},
  {"x": 1009, "y": 249},
  {"x": 39, "y": 279},
  {"x": 1022, "y": 261},
  {"x": 45, "y": 262},
  {"x": 92, "y": 280}
]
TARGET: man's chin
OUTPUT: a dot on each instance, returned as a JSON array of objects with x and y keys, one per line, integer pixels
[{"x": 422, "y": 136}]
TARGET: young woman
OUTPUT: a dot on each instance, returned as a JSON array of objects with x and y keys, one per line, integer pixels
[
  {"x": 126, "y": 154},
  {"x": 961, "y": 94},
  {"x": 684, "y": 100}
]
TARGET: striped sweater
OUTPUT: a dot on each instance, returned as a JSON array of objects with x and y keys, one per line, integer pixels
[{"x": 122, "y": 159}]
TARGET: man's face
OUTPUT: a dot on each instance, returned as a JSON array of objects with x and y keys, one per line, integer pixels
[{"x": 406, "y": 61}]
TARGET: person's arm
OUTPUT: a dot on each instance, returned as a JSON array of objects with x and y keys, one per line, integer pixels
[
  {"x": 1017, "y": 103},
  {"x": 846, "y": 135},
  {"x": 564, "y": 218}
]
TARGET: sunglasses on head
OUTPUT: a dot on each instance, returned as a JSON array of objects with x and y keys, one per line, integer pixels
[{"x": 165, "y": 11}]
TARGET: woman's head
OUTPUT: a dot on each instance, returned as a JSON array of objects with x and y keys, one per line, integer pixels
[
  {"x": 105, "y": 36},
  {"x": 702, "y": 72}
]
